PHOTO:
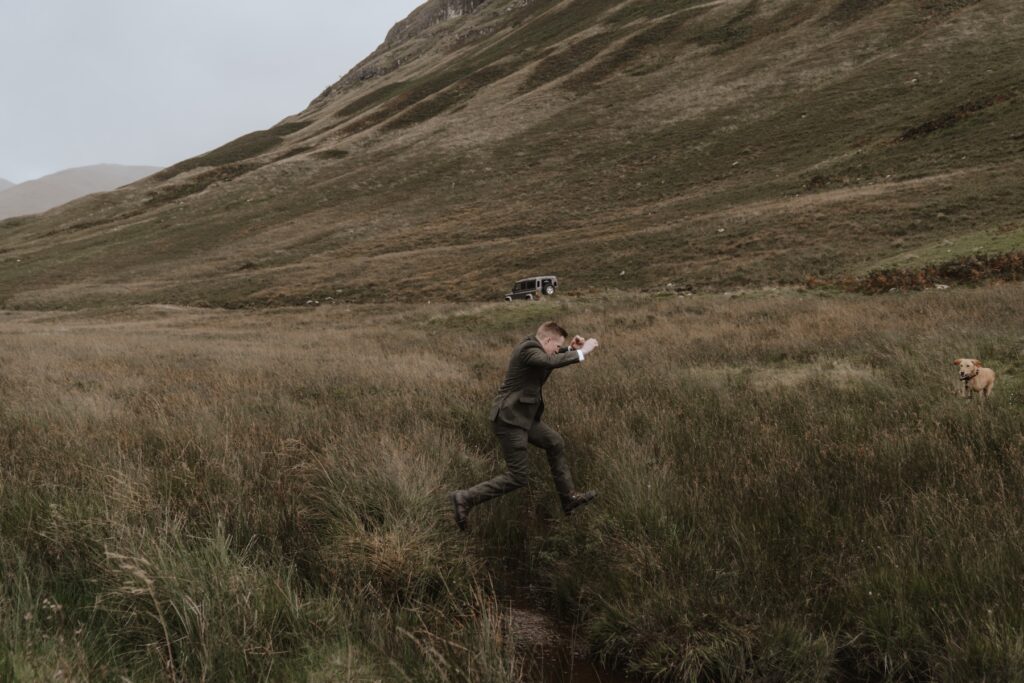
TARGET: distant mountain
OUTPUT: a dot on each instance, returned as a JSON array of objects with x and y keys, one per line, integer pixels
[{"x": 36, "y": 196}]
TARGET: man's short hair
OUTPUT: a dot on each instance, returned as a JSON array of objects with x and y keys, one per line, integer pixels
[{"x": 551, "y": 329}]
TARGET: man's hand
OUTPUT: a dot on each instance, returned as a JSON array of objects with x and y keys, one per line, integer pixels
[
  {"x": 588, "y": 346},
  {"x": 577, "y": 343}
]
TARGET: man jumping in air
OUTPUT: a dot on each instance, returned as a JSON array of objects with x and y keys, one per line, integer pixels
[{"x": 515, "y": 420}]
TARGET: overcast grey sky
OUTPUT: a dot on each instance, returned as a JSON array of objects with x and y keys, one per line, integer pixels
[{"x": 151, "y": 82}]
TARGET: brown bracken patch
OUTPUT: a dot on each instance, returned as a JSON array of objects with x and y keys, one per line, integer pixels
[{"x": 965, "y": 270}]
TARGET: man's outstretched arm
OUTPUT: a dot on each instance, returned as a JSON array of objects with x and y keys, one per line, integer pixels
[{"x": 537, "y": 358}]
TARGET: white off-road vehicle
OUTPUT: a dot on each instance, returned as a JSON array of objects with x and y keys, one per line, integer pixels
[{"x": 533, "y": 288}]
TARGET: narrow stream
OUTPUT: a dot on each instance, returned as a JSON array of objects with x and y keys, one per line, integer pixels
[{"x": 552, "y": 650}]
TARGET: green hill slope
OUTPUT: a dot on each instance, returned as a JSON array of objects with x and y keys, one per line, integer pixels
[{"x": 626, "y": 144}]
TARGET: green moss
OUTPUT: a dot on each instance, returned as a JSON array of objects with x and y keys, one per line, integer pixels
[
  {"x": 637, "y": 47},
  {"x": 412, "y": 94},
  {"x": 460, "y": 92},
  {"x": 372, "y": 99},
  {"x": 332, "y": 154}
]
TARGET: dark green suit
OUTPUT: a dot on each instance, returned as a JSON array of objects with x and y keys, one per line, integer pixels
[{"x": 515, "y": 420}]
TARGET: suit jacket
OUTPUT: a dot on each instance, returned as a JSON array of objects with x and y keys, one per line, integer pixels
[{"x": 520, "y": 400}]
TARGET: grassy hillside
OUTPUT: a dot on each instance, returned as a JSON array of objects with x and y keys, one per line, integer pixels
[
  {"x": 790, "y": 488},
  {"x": 619, "y": 144}
]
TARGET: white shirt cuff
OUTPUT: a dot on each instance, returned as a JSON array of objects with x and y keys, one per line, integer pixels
[{"x": 582, "y": 357}]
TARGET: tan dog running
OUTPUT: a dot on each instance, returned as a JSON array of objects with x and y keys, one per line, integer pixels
[{"x": 977, "y": 378}]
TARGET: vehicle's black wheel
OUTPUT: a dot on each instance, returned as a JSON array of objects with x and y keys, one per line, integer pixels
[{"x": 549, "y": 290}]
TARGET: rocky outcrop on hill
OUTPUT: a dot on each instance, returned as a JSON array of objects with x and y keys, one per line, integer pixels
[
  {"x": 405, "y": 41},
  {"x": 427, "y": 16}
]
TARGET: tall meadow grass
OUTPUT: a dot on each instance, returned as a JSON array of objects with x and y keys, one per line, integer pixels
[{"x": 790, "y": 489}]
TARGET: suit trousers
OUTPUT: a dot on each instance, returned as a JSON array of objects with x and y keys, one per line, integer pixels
[{"x": 514, "y": 442}]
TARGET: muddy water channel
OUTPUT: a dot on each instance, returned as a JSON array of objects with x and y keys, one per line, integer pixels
[{"x": 553, "y": 652}]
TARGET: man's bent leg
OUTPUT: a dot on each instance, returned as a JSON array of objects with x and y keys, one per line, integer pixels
[
  {"x": 513, "y": 442},
  {"x": 545, "y": 437}
]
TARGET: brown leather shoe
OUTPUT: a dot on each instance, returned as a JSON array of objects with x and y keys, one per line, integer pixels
[
  {"x": 461, "y": 508},
  {"x": 576, "y": 499}
]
